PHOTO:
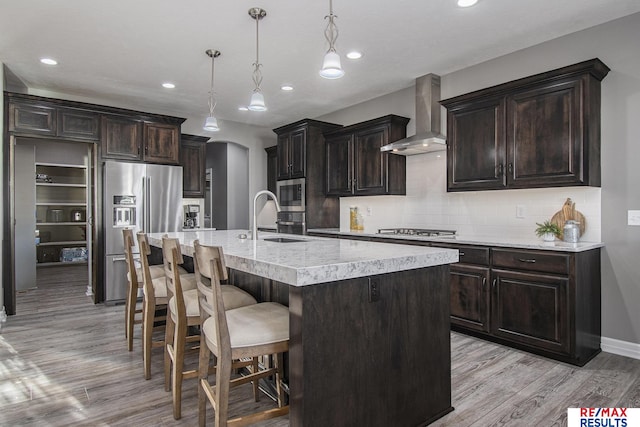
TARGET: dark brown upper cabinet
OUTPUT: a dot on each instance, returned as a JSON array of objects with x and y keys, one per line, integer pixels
[
  {"x": 193, "y": 153},
  {"x": 38, "y": 118},
  {"x": 161, "y": 143},
  {"x": 130, "y": 138},
  {"x": 294, "y": 141},
  {"x": 539, "y": 131},
  {"x": 272, "y": 168},
  {"x": 121, "y": 138},
  {"x": 355, "y": 164}
]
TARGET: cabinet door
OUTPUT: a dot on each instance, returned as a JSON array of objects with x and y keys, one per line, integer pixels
[
  {"x": 370, "y": 164},
  {"x": 272, "y": 168},
  {"x": 283, "y": 152},
  {"x": 78, "y": 124},
  {"x": 531, "y": 309},
  {"x": 544, "y": 136},
  {"x": 121, "y": 138},
  {"x": 470, "y": 297},
  {"x": 476, "y": 147},
  {"x": 32, "y": 119},
  {"x": 297, "y": 147},
  {"x": 161, "y": 143},
  {"x": 339, "y": 160},
  {"x": 192, "y": 160}
]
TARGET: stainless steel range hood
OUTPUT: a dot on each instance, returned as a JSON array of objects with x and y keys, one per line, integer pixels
[{"x": 428, "y": 137}]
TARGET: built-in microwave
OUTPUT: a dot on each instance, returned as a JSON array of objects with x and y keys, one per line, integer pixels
[{"x": 291, "y": 194}]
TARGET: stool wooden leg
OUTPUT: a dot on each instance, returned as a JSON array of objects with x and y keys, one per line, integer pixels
[
  {"x": 149, "y": 316},
  {"x": 279, "y": 361},
  {"x": 179, "y": 340},
  {"x": 223, "y": 379},
  {"x": 169, "y": 346},
  {"x": 254, "y": 369},
  {"x": 203, "y": 374}
]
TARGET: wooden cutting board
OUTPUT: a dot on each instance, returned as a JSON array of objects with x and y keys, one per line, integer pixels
[{"x": 568, "y": 212}]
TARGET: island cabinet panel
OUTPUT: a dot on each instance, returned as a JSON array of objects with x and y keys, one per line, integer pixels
[
  {"x": 121, "y": 138},
  {"x": 78, "y": 124},
  {"x": 539, "y": 131},
  {"x": 363, "y": 360},
  {"x": 355, "y": 166},
  {"x": 34, "y": 119},
  {"x": 161, "y": 143},
  {"x": 193, "y": 153}
]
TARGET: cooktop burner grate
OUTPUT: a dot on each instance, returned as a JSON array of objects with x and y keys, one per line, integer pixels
[{"x": 418, "y": 232}]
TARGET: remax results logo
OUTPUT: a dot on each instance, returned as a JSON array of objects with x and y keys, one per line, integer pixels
[{"x": 603, "y": 417}]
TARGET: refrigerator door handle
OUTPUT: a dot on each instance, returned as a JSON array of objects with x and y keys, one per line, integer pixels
[
  {"x": 143, "y": 216},
  {"x": 148, "y": 205}
]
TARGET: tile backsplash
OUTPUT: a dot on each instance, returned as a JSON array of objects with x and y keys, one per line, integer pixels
[{"x": 473, "y": 214}]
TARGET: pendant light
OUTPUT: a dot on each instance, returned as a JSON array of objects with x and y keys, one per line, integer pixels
[
  {"x": 257, "y": 98},
  {"x": 211, "y": 124},
  {"x": 331, "y": 68}
]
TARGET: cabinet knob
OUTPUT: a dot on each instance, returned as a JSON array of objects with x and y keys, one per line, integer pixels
[
  {"x": 500, "y": 170},
  {"x": 510, "y": 168},
  {"x": 530, "y": 261},
  {"x": 493, "y": 284},
  {"x": 484, "y": 282}
]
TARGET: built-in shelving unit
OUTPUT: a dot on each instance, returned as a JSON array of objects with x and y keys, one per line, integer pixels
[{"x": 62, "y": 192}]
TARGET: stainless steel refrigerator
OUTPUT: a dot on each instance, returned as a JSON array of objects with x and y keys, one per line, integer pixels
[{"x": 140, "y": 196}]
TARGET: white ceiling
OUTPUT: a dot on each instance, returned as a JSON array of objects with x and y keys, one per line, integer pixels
[{"x": 121, "y": 51}]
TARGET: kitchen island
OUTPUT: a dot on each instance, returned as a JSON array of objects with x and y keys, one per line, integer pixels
[{"x": 369, "y": 324}]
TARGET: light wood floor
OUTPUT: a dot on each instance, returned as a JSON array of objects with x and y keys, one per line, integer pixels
[{"x": 63, "y": 362}]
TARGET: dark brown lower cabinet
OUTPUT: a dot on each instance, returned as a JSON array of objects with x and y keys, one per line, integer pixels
[
  {"x": 470, "y": 296},
  {"x": 531, "y": 309}
]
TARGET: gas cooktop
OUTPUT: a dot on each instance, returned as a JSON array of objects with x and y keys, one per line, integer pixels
[{"x": 419, "y": 232}]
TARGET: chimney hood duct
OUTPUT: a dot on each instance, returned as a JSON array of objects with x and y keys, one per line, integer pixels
[{"x": 428, "y": 137}]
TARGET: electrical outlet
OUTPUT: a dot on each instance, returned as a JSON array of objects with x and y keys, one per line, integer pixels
[
  {"x": 521, "y": 211},
  {"x": 369, "y": 211},
  {"x": 374, "y": 290},
  {"x": 633, "y": 217}
]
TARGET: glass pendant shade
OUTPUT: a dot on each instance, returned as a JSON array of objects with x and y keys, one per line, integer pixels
[
  {"x": 211, "y": 124},
  {"x": 331, "y": 67},
  {"x": 257, "y": 102}
]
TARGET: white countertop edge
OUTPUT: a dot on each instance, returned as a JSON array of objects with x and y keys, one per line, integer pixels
[
  {"x": 558, "y": 245},
  {"x": 342, "y": 266}
]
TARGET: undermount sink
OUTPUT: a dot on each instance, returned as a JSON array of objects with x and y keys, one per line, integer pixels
[{"x": 282, "y": 240}]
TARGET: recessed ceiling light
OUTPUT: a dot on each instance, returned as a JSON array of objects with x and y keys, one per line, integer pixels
[
  {"x": 286, "y": 88},
  {"x": 354, "y": 54},
  {"x": 243, "y": 109},
  {"x": 168, "y": 85},
  {"x": 49, "y": 61},
  {"x": 467, "y": 3}
]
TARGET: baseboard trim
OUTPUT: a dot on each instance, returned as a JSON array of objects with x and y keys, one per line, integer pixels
[{"x": 621, "y": 348}]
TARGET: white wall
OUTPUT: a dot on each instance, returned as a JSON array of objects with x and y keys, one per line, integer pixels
[{"x": 483, "y": 212}]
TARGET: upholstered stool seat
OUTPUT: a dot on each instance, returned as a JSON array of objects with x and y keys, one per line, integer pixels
[{"x": 253, "y": 325}]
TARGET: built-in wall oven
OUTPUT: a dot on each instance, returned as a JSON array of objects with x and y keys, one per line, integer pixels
[{"x": 291, "y": 196}]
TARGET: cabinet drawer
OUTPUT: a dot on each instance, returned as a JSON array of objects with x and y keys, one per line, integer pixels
[
  {"x": 469, "y": 254},
  {"x": 531, "y": 260}
]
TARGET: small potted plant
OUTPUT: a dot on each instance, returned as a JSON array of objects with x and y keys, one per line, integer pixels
[{"x": 548, "y": 231}]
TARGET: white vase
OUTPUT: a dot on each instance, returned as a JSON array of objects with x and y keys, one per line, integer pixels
[{"x": 548, "y": 237}]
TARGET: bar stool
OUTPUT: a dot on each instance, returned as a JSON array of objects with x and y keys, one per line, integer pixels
[
  {"x": 246, "y": 332},
  {"x": 154, "y": 297},
  {"x": 184, "y": 311},
  {"x": 134, "y": 283}
]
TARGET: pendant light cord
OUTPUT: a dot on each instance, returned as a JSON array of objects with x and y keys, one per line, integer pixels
[{"x": 212, "y": 104}]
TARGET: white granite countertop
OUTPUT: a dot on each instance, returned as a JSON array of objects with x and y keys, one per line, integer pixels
[
  {"x": 523, "y": 243},
  {"x": 313, "y": 259}
]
